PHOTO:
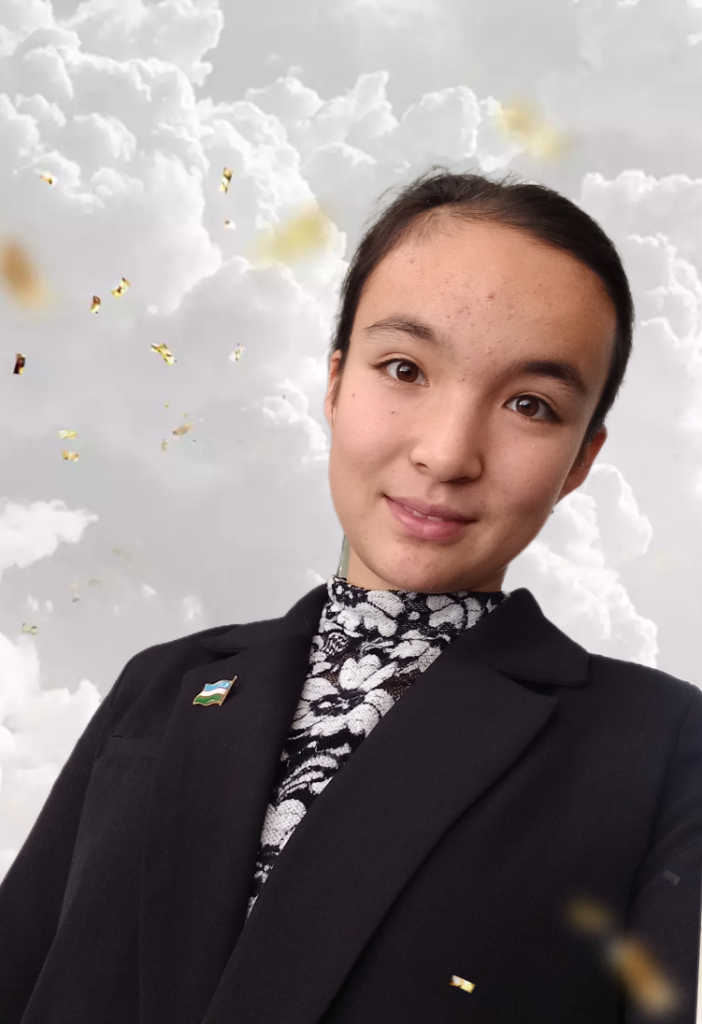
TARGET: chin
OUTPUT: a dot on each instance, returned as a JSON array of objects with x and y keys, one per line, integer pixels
[{"x": 412, "y": 577}]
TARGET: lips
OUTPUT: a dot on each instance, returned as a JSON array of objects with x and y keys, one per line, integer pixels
[
  {"x": 434, "y": 519},
  {"x": 423, "y": 528},
  {"x": 442, "y": 512}
]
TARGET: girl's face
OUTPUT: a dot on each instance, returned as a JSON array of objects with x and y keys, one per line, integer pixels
[{"x": 452, "y": 422}]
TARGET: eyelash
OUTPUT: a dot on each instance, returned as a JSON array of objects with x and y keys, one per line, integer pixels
[{"x": 552, "y": 417}]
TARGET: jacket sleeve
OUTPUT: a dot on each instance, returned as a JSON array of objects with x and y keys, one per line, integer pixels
[
  {"x": 665, "y": 910},
  {"x": 31, "y": 893}
]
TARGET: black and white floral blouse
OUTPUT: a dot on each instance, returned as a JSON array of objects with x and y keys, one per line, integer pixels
[{"x": 369, "y": 647}]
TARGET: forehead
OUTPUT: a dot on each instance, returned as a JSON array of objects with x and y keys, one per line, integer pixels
[
  {"x": 475, "y": 277},
  {"x": 490, "y": 261}
]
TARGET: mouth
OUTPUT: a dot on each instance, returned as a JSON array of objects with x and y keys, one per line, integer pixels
[
  {"x": 435, "y": 519},
  {"x": 426, "y": 527},
  {"x": 425, "y": 515}
]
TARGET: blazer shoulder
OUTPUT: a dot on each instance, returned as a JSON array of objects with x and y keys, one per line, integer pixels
[
  {"x": 652, "y": 685},
  {"x": 181, "y": 646}
]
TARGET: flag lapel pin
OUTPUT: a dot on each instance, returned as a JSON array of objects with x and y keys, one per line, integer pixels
[{"x": 214, "y": 693}]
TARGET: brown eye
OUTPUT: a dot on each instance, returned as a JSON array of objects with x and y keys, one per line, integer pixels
[
  {"x": 405, "y": 372},
  {"x": 534, "y": 402},
  {"x": 527, "y": 401}
]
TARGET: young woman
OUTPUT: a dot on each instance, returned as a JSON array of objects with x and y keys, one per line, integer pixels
[{"x": 412, "y": 799}]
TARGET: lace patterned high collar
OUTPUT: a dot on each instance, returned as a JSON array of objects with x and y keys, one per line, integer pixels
[
  {"x": 380, "y": 614},
  {"x": 369, "y": 647}
]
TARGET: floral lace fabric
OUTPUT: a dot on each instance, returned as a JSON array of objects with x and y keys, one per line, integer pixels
[{"x": 369, "y": 647}]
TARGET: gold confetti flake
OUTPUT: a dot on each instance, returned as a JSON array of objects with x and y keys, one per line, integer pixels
[
  {"x": 521, "y": 120},
  {"x": 121, "y": 288},
  {"x": 67, "y": 433},
  {"x": 165, "y": 352},
  {"x": 48, "y": 178},
  {"x": 70, "y": 456},
  {"x": 19, "y": 363},
  {"x": 121, "y": 553},
  {"x": 226, "y": 179},
  {"x": 590, "y": 916},
  {"x": 467, "y": 986},
  {"x": 164, "y": 445},
  {"x": 238, "y": 352},
  {"x": 20, "y": 275},
  {"x": 300, "y": 236},
  {"x": 646, "y": 982},
  {"x": 179, "y": 431},
  {"x": 28, "y": 629},
  {"x": 629, "y": 958},
  {"x": 97, "y": 302},
  {"x": 73, "y": 587}
]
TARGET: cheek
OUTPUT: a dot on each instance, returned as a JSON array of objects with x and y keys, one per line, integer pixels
[
  {"x": 529, "y": 485},
  {"x": 363, "y": 438}
]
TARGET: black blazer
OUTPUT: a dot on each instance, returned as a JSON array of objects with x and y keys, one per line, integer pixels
[{"x": 517, "y": 773}]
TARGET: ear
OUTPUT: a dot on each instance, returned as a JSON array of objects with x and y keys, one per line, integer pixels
[
  {"x": 582, "y": 466},
  {"x": 331, "y": 384}
]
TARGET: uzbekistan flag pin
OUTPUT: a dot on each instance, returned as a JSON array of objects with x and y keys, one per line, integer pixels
[{"x": 214, "y": 693}]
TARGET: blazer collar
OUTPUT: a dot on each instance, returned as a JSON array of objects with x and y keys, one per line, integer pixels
[{"x": 536, "y": 650}]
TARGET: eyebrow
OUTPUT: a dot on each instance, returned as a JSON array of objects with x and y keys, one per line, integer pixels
[{"x": 556, "y": 369}]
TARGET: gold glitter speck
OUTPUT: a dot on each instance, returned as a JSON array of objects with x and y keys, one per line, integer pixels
[
  {"x": 165, "y": 352},
  {"x": 121, "y": 288}
]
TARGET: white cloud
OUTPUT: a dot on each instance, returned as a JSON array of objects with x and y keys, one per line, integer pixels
[
  {"x": 38, "y": 730},
  {"x": 29, "y": 533},
  {"x": 178, "y": 31}
]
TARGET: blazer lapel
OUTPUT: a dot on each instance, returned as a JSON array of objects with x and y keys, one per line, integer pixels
[
  {"x": 212, "y": 780},
  {"x": 460, "y": 726}
]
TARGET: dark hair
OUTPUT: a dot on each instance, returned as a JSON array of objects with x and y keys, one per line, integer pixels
[{"x": 539, "y": 211}]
